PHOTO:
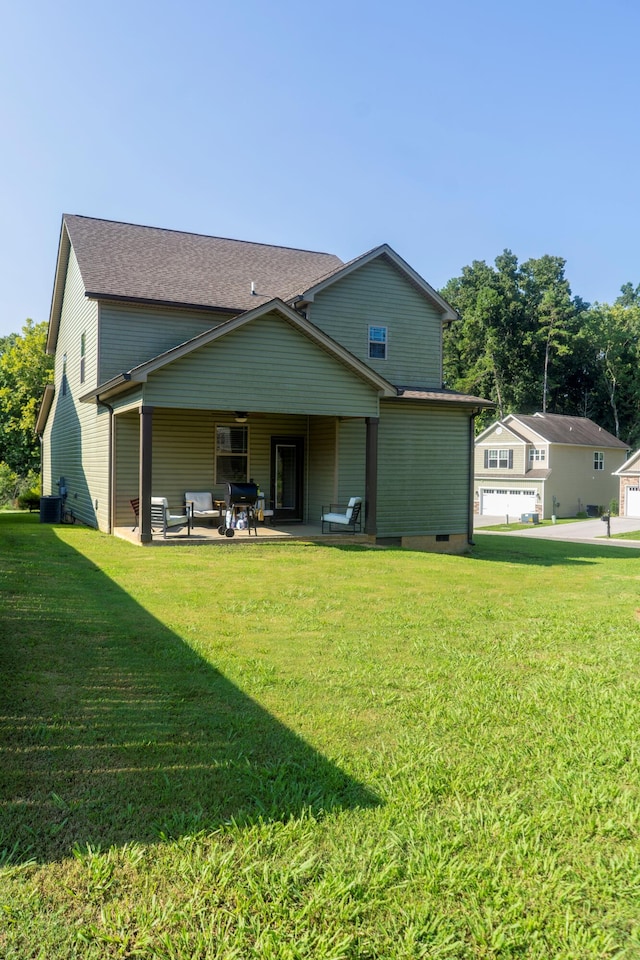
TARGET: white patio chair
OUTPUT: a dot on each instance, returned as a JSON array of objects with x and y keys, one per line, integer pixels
[
  {"x": 348, "y": 521},
  {"x": 162, "y": 518},
  {"x": 199, "y": 506}
]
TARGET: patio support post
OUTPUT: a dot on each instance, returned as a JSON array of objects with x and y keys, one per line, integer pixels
[
  {"x": 371, "y": 477},
  {"x": 146, "y": 463}
]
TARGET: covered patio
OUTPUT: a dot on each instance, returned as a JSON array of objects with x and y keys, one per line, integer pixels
[{"x": 205, "y": 534}]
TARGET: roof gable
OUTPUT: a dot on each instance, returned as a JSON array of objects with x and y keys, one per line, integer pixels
[
  {"x": 140, "y": 373},
  {"x": 491, "y": 434},
  {"x": 632, "y": 465},
  {"x": 384, "y": 250}
]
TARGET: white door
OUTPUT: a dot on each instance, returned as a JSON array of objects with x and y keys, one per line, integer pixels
[
  {"x": 501, "y": 502},
  {"x": 632, "y": 502}
]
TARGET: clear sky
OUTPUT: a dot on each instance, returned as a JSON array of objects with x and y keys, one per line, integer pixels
[{"x": 449, "y": 130}]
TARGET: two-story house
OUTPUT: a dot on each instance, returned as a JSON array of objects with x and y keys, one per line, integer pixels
[
  {"x": 546, "y": 464},
  {"x": 185, "y": 361}
]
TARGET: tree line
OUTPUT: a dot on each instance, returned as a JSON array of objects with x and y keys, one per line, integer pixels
[
  {"x": 525, "y": 342},
  {"x": 25, "y": 369},
  {"x": 522, "y": 340}
]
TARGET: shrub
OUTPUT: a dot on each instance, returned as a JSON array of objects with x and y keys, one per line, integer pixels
[
  {"x": 613, "y": 508},
  {"x": 29, "y": 500},
  {"x": 9, "y": 484}
]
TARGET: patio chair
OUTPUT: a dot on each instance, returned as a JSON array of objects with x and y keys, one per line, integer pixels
[
  {"x": 162, "y": 518},
  {"x": 347, "y": 521},
  {"x": 135, "y": 506},
  {"x": 199, "y": 506}
]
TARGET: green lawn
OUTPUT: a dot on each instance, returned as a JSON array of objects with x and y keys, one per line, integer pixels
[{"x": 295, "y": 751}]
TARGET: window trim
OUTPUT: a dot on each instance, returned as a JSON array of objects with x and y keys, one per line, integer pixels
[
  {"x": 598, "y": 460},
  {"x": 498, "y": 462},
  {"x": 372, "y": 341},
  {"x": 216, "y": 453}
]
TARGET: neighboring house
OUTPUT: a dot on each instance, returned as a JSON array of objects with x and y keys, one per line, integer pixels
[
  {"x": 184, "y": 361},
  {"x": 629, "y": 486},
  {"x": 546, "y": 464}
]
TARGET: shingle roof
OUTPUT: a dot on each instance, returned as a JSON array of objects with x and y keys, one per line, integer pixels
[
  {"x": 556, "y": 428},
  {"x": 127, "y": 261},
  {"x": 442, "y": 396}
]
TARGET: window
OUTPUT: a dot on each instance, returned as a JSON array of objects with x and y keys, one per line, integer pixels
[
  {"x": 82, "y": 352},
  {"x": 232, "y": 454},
  {"x": 377, "y": 343},
  {"x": 498, "y": 459},
  {"x": 598, "y": 460},
  {"x": 537, "y": 455},
  {"x": 64, "y": 375}
]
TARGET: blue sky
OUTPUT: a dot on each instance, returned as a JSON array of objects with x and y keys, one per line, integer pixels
[{"x": 449, "y": 130}]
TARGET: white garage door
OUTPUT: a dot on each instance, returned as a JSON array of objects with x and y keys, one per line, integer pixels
[
  {"x": 632, "y": 502},
  {"x": 501, "y": 501}
]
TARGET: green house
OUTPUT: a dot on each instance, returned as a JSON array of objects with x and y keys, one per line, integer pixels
[{"x": 185, "y": 361}]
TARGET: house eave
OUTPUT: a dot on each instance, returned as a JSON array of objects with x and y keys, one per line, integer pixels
[
  {"x": 45, "y": 408},
  {"x": 111, "y": 388},
  {"x": 170, "y": 304}
]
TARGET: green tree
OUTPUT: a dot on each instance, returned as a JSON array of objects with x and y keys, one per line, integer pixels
[
  {"x": 516, "y": 340},
  {"x": 612, "y": 336},
  {"x": 25, "y": 368}
]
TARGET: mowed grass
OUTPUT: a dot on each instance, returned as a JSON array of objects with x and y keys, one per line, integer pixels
[{"x": 297, "y": 751}]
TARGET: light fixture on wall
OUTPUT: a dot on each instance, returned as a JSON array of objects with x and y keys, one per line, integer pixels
[{"x": 241, "y": 416}]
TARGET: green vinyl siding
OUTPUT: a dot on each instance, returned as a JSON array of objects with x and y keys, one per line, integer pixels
[
  {"x": 76, "y": 437},
  {"x": 351, "y": 459},
  {"x": 378, "y": 294},
  {"x": 266, "y": 365},
  {"x": 323, "y": 483},
  {"x": 130, "y": 334},
  {"x": 423, "y": 470},
  {"x": 184, "y": 453},
  {"x": 127, "y": 470}
]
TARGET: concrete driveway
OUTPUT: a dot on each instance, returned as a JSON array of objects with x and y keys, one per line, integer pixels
[{"x": 579, "y": 531}]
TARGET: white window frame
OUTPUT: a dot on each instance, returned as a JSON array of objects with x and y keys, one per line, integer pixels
[
  {"x": 500, "y": 460},
  {"x": 378, "y": 336},
  {"x": 218, "y": 453},
  {"x": 537, "y": 455},
  {"x": 598, "y": 460}
]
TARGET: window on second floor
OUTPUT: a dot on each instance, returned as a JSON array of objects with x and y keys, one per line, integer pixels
[
  {"x": 537, "y": 455},
  {"x": 598, "y": 460},
  {"x": 498, "y": 459},
  {"x": 377, "y": 343}
]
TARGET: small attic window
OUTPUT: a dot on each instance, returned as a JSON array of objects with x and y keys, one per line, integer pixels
[{"x": 377, "y": 343}]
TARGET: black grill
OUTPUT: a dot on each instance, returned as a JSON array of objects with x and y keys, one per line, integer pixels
[
  {"x": 241, "y": 500},
  {"x": 239, "y": 494}
]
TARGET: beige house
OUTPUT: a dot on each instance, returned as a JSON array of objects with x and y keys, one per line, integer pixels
[
  {"x": 545, "y": 464},
  {"x": 629, "y": 486}
]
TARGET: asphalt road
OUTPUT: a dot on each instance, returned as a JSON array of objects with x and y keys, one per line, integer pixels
[{"x": 580, "y": 531}]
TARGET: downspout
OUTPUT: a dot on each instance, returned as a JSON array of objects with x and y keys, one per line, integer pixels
[
  {"x": 110, "y": 462},
  {"x": 472, "y": 450}
]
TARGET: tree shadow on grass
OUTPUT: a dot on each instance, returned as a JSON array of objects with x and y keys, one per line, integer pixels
[
  {"x": 114, "y": 730},
  {"x": 536, "y": 551}
]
